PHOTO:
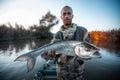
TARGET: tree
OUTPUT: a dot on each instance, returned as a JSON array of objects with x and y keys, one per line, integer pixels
[
  {"x": 45, "y": 24},
  {"x": 48, "y": 20}
]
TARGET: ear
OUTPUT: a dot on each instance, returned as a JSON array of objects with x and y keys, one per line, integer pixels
[
  {"x": 72, "y": 16},
  {"x": 61, "y": 17}
]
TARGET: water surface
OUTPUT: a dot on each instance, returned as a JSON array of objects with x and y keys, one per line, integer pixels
[{"x": 105, "y": 68}]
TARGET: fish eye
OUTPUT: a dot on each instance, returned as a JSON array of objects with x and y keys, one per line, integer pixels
[{"x": 87, "y": 49}]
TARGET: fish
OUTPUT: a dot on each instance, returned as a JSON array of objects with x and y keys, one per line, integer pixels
[{"x": 81, "y": 49}]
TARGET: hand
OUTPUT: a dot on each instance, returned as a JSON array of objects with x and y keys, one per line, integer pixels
[
  {"x": 55, "y": 40},
  {"x": 62, "y": 58},
  {"x": 49, "y": 55}
]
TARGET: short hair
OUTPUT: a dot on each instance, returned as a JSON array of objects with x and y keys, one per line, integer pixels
[{"x": 67, "y": 7}]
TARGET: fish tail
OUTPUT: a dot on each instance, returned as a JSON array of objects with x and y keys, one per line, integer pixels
[{"x": 30, "y": 61}]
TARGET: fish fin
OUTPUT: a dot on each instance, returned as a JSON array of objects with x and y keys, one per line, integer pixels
[
  {"x": 21, "y": 58},
  {"x": 30, "y": 61}
]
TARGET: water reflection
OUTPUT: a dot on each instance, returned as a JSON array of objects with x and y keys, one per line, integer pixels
[
  {"x": 106, "y": 68},
  {"x": 7, "y": 48},
  {"x": 110, "y": 47},
  {"x": 10, "y": 70}
]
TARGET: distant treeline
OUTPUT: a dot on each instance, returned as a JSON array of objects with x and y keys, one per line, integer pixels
[
  {"x": 109, "y": 40},
  {"x": 8, "y": 32},
  {"x": 110, "y": 36},
  {"x": 42, "y": 30}
]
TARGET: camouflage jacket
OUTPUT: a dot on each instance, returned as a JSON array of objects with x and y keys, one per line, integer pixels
[
  {"x": 75, "y": 33},
  {"x": 69, "y": 67}
]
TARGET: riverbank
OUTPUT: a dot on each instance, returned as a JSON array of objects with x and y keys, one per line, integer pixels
[{"x": 24, "y": 38}]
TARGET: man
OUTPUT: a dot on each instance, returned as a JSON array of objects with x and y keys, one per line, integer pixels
[
  {"x": 68, "y": 67},
  {"x": 70, "y": 30}
]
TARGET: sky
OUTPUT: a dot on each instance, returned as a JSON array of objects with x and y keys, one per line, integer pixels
[{"x": 91, "y": 14}]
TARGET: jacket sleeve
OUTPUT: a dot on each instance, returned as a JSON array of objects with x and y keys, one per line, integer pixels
[
  {"x": 58, "y": 35},
  {"x": 82, "y": 34},
  {"x": 86, "y": 37}
]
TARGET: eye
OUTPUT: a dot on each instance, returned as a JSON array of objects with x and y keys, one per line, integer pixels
[
  {"x": 87, "y": 49},
  {"x": 64, "y": 14},
  {"x": 69, "y": 13}
]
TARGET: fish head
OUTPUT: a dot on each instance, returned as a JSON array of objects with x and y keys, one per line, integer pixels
[{"x": 86, "y": 50}]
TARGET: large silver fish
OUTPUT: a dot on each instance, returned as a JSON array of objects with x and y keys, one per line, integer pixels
[{"x": 72, "y": 48}]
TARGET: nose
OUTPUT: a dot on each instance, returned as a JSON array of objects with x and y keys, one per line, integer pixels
[{"x": 67, "y": 16}]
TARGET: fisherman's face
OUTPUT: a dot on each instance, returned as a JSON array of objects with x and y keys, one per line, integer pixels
[{"x": 66, "y": 16}]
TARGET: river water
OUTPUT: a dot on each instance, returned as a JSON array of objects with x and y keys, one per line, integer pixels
[{"x": 105, "y": 68}]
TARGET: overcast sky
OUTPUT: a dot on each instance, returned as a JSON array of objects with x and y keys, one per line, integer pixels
[{"x": 92, "y": 14}]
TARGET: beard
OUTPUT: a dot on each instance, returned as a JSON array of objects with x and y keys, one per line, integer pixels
[{"x": 67, "y": 22}]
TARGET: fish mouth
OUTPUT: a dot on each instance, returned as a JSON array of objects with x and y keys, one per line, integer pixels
[{"x": 96, "y": 54}]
